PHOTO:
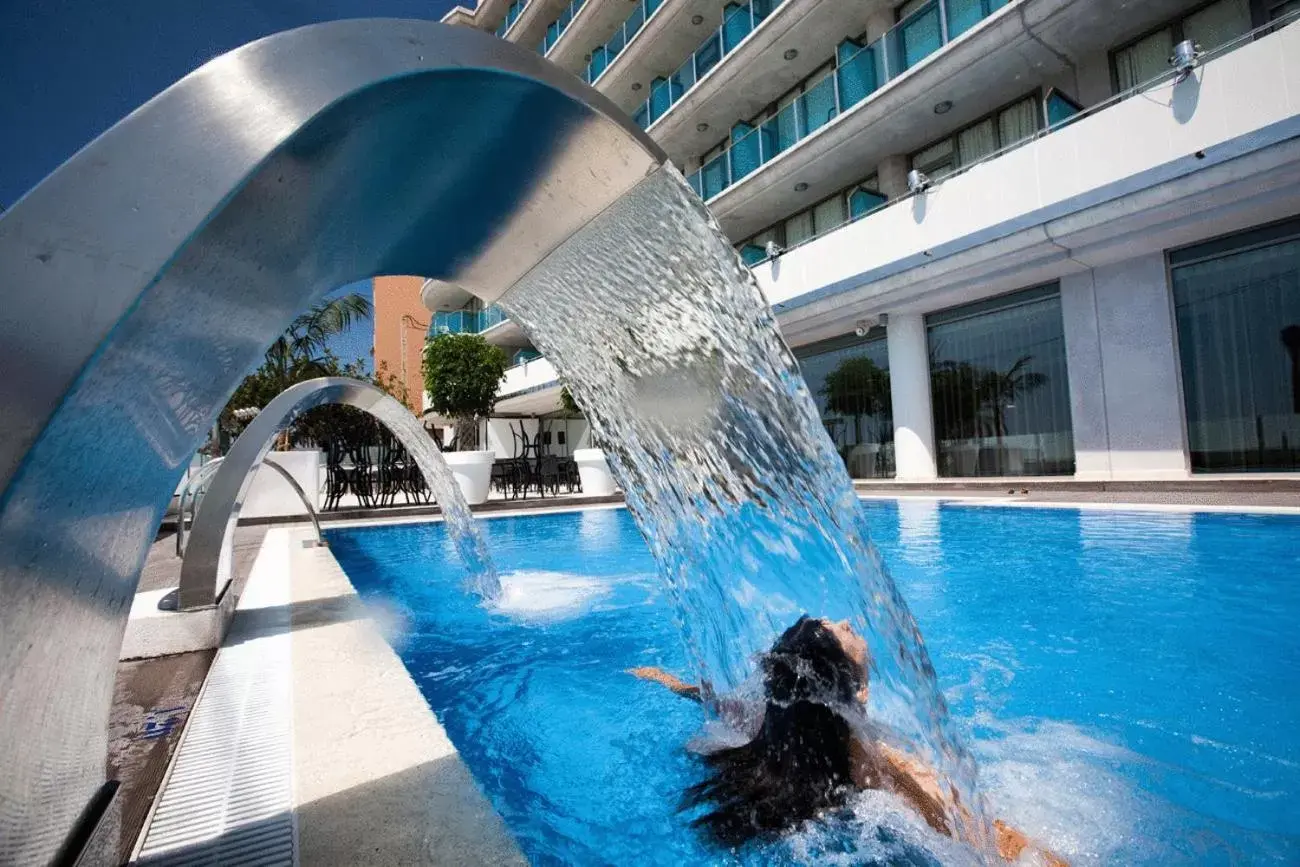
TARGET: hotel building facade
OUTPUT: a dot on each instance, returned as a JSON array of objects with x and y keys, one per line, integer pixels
[{"x": 1003, "y": 237}]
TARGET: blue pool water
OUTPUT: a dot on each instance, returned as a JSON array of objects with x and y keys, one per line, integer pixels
[{"x": 1129, "y": 681}]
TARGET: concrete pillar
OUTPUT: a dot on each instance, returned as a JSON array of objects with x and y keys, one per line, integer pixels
[
  {"x": 909, "y": 387},
  {"x": 879, "y": 22},
  {"x": 892, "y": 175},
  {"x": 1125, "y": 389}
]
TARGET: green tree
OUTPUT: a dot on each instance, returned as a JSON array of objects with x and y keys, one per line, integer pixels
[
  {"x": 462, "y": 373},
  {"x": 300, "y": 353},
  {"x": 857, "y": 387},
  {"x": 1000, "y": 390}
]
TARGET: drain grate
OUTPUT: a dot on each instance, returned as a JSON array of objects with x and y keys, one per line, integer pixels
[{"x": 228, "y": 799}]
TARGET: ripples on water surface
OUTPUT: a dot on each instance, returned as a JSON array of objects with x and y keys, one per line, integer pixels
[{"x": 1128, "y": 681}]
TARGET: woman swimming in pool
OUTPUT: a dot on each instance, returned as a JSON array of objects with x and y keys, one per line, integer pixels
[{"x": 805, "y": 757}]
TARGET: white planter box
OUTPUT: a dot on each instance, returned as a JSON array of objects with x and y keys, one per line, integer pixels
[
  {"x": 473, "y": 472},
  {"x": 270, "y": 495},
  {"x": 593, "y": 470}
]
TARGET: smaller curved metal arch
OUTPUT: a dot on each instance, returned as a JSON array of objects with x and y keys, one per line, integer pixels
[
  {"x": 219, "y": 510},
  {"x": 190, "y": 491}
]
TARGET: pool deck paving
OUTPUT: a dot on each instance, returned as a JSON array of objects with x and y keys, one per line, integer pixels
[{"x": 376, "y": 779}]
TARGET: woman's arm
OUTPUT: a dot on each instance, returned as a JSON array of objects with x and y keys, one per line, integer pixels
[
  {"x": 920, "y": 787},
  {"x": 676, "y": 684}
]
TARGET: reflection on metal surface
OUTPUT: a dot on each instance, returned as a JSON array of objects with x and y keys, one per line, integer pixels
[
  {"x": 191, "y": 494},
  {"x": 147, "y": 275},
  {"x": 218, "y": 512},
  {"x": 302, "y": 495}
]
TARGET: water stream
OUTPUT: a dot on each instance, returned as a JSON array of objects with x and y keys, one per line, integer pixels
[
  {"x": 674, "y": 356},
  {"x": 437, "y": 474}
]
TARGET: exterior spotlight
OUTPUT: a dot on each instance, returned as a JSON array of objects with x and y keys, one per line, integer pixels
[
  {"x": 800, "y": 187},
  {"x": 636, "y": 85},
  {"x": 943, "y": 107},
  {"x": 697, "y": 20},
  {"x": 773, "y": 249},
  {"x": 701, "y": 127},
  {"x": 862, "y": 326},
  {"x": 791, "y": 53},
  {"x": 1186, "y": 57},
  {"x": 918, "y": 181}
]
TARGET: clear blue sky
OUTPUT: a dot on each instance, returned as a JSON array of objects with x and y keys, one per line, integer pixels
[{"x": 69, "y": 69}]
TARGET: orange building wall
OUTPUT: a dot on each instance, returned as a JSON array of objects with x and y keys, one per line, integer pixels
[{"x": 398, "y": 311}]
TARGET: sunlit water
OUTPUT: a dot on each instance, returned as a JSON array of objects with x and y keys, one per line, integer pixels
[
  {"x": 1126, "y": 680},
  {"x": 674, "y": 357}
]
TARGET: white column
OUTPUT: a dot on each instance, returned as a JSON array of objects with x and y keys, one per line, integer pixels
[
  {"x": 891, "y": 174},
  {"x": 1125, "y": 392},
  {"x": 909, "y": 387},
  {"x": 1144, "y": 406}
]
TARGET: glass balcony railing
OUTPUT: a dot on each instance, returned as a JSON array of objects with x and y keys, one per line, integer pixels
[
  {"x": 559, "y": 25},
  {"x": 492, "y": 315},
  {"x": 454, "y": 322},
  {"x": 512, "y": 14},
  {"x": 603, "y": 56},
  {"x": 859, "y": 72},
  {"x": 466, "y": 321},
  {"x": 523, "y": 356},
  {"x": 738, "y": 21}
]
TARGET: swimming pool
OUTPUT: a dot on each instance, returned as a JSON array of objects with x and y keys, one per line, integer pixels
[{"x": 1127, "y": 680}]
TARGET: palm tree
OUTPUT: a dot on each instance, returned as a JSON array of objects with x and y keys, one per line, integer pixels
[
  {"x": 302, "y": 351},
  {"x": 999, "y": 392},
  {"x": 857, "y": 387}
]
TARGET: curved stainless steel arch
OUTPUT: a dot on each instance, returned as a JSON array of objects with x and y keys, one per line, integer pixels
[
  {"x": 144, "y": 277},
  {"x": 219, "y": 510}
]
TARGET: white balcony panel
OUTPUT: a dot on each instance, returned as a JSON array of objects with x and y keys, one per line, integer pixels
[
  {"x": 753, "y": 75},
  {"x": 527, "y": 377},
  {"x": 666, "y": 39},
  {"x": 1217, "y": 153},
  {"x": 999, "y": 60},
  {"x": 506, "y": 333}
]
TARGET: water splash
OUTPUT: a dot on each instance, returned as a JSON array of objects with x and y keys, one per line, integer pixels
[{"x": 675, "y": 358}]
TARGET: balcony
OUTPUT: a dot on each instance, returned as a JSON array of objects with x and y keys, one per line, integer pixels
[
  {"x": 590, "y": 22},
  {"x": 1133, "y": 176},
  {"x": 834, "y": 136},
  {"x": 690, "y": 110},
  {"x": 604, "y": 55},
  {"x": 737, "y": 24},
  {"x": 512, "y": 14},
  {"x": 859, "y": 72},
  {"x": 558, "y": 25},
  {"x": 454, "y": 322}
]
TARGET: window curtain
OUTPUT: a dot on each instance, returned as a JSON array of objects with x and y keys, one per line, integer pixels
[
  {"x": 1017, "y": 123},
  {"x": 935, "y": 159},
  {"x": 976, "y": 142},
  {"x": 1143, "y": 60},
  {"x": 828, "y": 215},
  {"x": 798, "y": 228},
  {"x": 1218, "y": 23},
  {"x": 1238, "y": 320}
]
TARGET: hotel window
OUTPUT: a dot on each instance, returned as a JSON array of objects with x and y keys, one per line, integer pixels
[
  {"x": 1003, "y": 128},
  {"x": 827, "y": 215},
  {"x": 1147, "y": 57},
  {"x": 849, "y": 380},
  {"x": 1237, "y": 308},
  {"x": 1001, "y": 396}
]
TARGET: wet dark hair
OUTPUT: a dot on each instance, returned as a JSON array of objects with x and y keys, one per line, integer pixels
[{"x": 798, "y": 764}]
